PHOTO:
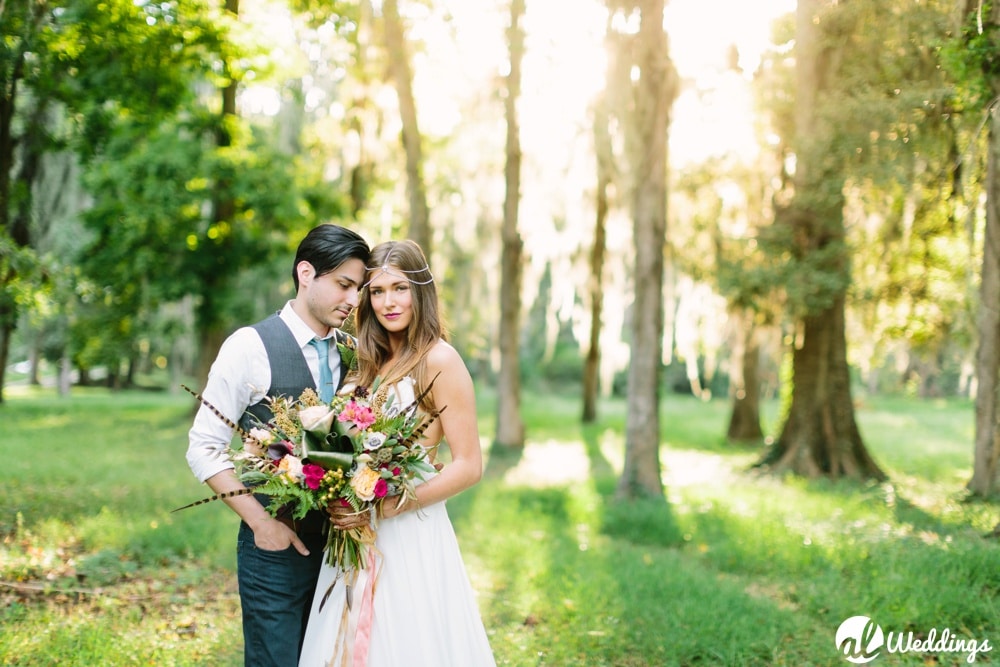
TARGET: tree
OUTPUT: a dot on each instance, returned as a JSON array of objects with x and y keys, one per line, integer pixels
[
  {"x": 653, "y": 96},
  {"x": 192, "y": 207},
  {"x": 720, "y": 251},
  {"x": 981, "y": 47},
  {"x": 820, "y": 436},
  {"x": 510, "y": 426},
  {"x": 87, "y": 61}
]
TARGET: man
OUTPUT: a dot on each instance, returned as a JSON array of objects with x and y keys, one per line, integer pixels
[{"x": 278, "y": 559}]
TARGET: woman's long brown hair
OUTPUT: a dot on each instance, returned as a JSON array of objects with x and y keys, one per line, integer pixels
[{"x": 425, "y": 329}]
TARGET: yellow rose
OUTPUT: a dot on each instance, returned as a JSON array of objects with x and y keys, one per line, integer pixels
[{"x": 363, "y": 483}]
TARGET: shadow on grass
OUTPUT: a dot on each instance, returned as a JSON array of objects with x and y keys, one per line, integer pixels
[
  {"x": 578, "y": 577},
  {"x": 647, "y": 521},
  {"x": 906, "y": 512}
]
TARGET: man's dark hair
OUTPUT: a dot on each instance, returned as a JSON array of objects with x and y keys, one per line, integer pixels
[{"x": 328, "y": 246}]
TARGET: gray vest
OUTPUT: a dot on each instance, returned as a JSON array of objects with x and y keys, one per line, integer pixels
[{"x": 290, "y": 375}]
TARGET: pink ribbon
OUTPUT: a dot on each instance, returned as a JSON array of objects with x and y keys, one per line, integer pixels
[{"x": 363, "y": 634}]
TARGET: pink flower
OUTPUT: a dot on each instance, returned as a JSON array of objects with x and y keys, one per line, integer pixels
[
  {"x": 313, "y": 475},
  {"x": 381, "y": 488},
  {"x": 361, "y": 415}
]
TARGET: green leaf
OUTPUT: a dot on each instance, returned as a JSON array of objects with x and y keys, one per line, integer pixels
[{"x": 331, "y": 460}]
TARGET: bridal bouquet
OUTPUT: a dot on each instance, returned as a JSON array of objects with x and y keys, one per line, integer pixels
[{"x": 353, "y": 453}]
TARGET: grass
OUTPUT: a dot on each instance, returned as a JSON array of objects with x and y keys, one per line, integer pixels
[{"x": 733, "y": 569}]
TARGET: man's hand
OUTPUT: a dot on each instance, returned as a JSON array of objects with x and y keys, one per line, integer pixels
[{"x": 272, "y": 535}]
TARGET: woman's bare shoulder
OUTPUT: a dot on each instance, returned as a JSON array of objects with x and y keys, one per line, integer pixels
[
  {"x": 445, "y": 360},
  {"x": 442, "y": 355}
]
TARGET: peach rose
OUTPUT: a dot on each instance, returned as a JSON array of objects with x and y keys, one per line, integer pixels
[{"x": 364, "y": 482}]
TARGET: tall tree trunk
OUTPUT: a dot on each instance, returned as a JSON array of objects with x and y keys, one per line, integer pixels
[
  {"x": 744, "y": 422},
  {"x": 985, "y": 471},
  {"x": 820, "y": 436},
  {"x": 402, "y": 76},
  {"x": 510, "y": 426},
  {"x": 655, "y": 91},
  {"x": 604, "y": 150}
]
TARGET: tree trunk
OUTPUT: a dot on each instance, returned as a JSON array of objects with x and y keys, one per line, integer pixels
[
  {"x": 65, "y": 377},
  {"x": 820, "y": 436},
  {"x": 592, "y": 361},
  {"x": 655, "y": 91},
  {"x": 19, "y": 239},
  {"x": 510, "y": 426},
  {"x": 744, "y": 422},
  {"x": 984, "y": 480},
  {"x": 604, "y": 150},
  {"x": 402, "y": 75}
]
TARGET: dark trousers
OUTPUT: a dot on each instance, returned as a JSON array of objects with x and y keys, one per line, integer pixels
[{"x": 276, "y": 592}]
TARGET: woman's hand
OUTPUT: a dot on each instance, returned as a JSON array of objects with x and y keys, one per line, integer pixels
[{"x": 344, "y": 517}]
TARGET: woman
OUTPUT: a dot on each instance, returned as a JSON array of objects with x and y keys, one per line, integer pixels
[{"x": 423, "y": 611}]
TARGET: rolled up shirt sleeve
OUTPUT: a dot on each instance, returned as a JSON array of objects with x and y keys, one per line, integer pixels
[{"x": 240, "y": 377}]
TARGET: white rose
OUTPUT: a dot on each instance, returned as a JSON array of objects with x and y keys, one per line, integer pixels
[
  {"x": 291, "y": 466},
  {"x": 317, "y": 419},
  {"x": 262, "y": 435}
]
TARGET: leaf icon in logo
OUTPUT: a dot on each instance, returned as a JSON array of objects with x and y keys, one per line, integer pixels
[{"x": 859, "y": 639}]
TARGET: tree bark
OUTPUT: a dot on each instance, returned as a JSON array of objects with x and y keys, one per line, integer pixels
[
  {"x": 402, "y": 76},
  {"x": 654, "y": 93},
  {"x": 510, "y": 426},
  {"x": 820, "y": 436}
]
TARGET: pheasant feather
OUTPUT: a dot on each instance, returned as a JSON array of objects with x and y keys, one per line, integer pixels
[
  {"x": 419, "y": 430},
  {"x": 226, "y": 420},
  {"x": 416, "y": 401},
  {"x": 218, "y": 496}
]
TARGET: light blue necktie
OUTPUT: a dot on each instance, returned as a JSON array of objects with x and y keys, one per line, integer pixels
[{"x": 325, "y": 375}]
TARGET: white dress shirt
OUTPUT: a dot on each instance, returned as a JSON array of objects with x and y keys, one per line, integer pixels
[{"x": 240, "y": 377}]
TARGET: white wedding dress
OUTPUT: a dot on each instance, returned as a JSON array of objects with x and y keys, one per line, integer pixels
[{"x": 424, "y": 610}]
